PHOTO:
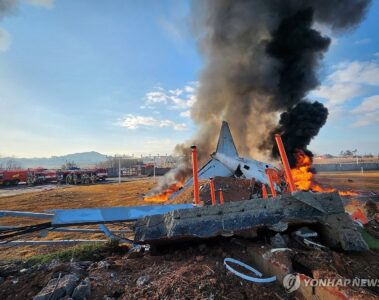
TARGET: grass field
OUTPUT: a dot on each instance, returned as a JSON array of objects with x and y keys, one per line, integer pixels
[{"x": 101, "y": 195}]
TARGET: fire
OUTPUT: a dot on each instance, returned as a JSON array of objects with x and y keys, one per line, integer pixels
[
  {"x": 303, "y": 177},
  {"x": 301, "y": 174},
  {"x": 163, "y": 196}
]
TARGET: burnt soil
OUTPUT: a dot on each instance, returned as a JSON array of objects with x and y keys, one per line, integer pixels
[{"x": 185, "y": 271}]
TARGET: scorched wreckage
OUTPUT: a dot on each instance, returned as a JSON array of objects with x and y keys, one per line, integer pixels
[
  {"x": 262, "y": 59},
  {"x": 286, "y": 206}
]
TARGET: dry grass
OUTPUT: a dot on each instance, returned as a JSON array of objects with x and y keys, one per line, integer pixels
[{"x": 101, "y": 195}]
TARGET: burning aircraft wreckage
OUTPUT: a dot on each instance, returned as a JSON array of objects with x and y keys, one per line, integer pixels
[
  {"x": 261, "y": 62},
  {"x": 274, "y": 202}
]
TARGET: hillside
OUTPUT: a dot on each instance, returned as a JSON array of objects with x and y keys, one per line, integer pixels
[{"x": 82, "y": 159}]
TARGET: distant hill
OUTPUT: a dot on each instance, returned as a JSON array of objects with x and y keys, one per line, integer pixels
[{"x": 84, "y": 159}]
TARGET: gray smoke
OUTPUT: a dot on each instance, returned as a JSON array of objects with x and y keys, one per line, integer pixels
[
  {"x": 261, "y": 59},
  {"x": 7, "y": 7}
]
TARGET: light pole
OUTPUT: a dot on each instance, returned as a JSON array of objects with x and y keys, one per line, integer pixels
[
  {"x": 119, "y": 169},
  {"x": 154, "y": 169}
]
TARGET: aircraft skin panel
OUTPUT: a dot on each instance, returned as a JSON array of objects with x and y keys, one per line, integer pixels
[
  {"x": 225, "y": 143},
  {"x": 211, "y": 169}
]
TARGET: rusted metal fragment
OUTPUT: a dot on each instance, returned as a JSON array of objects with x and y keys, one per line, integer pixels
[{"x": 242, "y": 216}]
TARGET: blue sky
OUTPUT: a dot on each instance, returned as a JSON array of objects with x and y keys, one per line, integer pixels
[{"x": 121, "y": 76}]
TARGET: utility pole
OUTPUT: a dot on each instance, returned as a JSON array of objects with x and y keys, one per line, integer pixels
[
  {"x": 119, "y": 169},
  {"x": 154, "y": 169}
]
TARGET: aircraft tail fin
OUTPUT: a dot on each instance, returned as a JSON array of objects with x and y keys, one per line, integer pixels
[{"x": 225, "y": 143}]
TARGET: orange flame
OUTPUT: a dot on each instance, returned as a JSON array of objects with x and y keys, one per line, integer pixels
[
  {"x": 163, "y": 196},
  {"x": 303, "y": 177}
]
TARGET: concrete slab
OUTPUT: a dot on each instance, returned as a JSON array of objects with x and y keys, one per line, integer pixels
[{"x": 243, "y": 216}]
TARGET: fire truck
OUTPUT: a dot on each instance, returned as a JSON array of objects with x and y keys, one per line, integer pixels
[
  {"x": 83, "y": 176},
  {"x": 101, "y": 174},
  {"x": 40, "y": 176},
  {"x": 13, "y": 177}
]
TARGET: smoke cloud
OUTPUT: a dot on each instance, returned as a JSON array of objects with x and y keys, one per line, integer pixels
[
  {"x": 7, "y": 7},
  {"x": 298, "y": 126},
  {"x": 261, "y": 59}
]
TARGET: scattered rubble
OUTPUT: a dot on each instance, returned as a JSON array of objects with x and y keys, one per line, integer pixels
[
  {"x": 58, "y": 288},
  {"x": 83, "y": 290},
  {"x": 278, "y": 241},
  {"x": 192, "y": 270},
  {"x": 143, "y": 280}
]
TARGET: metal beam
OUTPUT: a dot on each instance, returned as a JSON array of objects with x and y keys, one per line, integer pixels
[
  {"x": 10, "y": 213},
  {"x": 53, "y": 242},
  {"x": 67, "y": 229},
  {"x": 111, "y": 236}
]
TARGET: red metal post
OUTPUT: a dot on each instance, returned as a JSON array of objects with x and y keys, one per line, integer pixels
[
  {"x": 212, "y": 186},
  {"x": 221, "y": 197},
  {"x": 264, "y": 191},
  {"x": 271, "y": 182},
  {"x": 285, "y": 162},
  {"x": 196, "y": 194}
]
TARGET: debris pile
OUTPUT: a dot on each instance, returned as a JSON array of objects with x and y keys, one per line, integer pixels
[
  {"x": 196, "y": 271},
  {"x": 232, "y": 189}
]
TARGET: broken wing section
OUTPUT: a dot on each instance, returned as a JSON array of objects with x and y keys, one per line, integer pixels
[{"x": 211, "y": 169}]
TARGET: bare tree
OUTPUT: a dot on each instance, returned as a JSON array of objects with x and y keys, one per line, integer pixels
[{"x": 12, "y": 164}]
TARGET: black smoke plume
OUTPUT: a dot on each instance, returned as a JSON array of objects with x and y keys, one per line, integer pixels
[
  {"x": 261, "y": 59},
  {"x": 298, "y": 48},
  {"x": 298, "y": 126}
]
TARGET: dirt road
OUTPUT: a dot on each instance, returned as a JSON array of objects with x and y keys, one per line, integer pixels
[{"x": 367, "y": 181}]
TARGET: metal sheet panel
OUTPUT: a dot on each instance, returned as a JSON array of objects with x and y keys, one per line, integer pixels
[
  {"x": 211, "y": 169},
  {"x": 111, "y": 214}
]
